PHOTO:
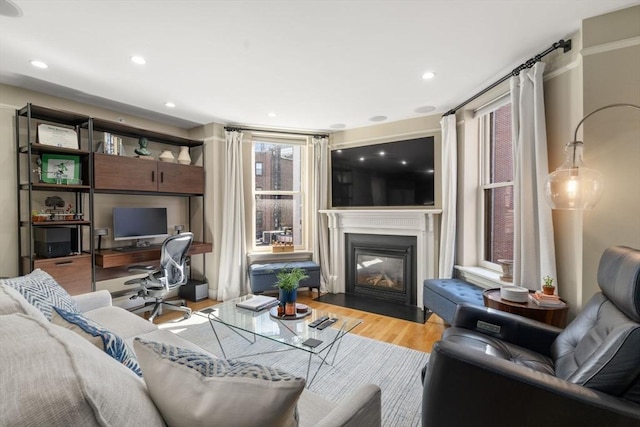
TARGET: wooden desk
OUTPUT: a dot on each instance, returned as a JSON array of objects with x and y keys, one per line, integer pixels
[
  {"x": 112, "y": 264},
  {"x": 109, "y": 258},
  {"x": 555, "y": 316}
]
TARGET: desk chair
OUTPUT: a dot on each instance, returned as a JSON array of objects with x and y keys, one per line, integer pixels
[{"x": 169, "y": 276}]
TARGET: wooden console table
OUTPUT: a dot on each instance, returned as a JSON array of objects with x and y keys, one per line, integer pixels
[{"x": 554, "y": 316}]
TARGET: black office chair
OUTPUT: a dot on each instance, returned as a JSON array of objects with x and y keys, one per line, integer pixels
[{"x": 169, "y": 276}]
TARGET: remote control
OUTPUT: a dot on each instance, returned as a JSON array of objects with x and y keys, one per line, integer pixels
[
  {"x": 318, "y": 321},
  {"x": 326, "y": 323}
]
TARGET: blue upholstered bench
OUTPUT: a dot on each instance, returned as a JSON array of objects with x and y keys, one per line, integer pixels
[
  {"x": 442, "y": 297},
  {"x": 263, "y": 276}
]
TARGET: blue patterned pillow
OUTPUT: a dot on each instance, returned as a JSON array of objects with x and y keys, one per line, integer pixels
[
  {"x": 191, "y": 388},
  {"x": 43, "y": 292},
  {"x": 111, "y": 343}
]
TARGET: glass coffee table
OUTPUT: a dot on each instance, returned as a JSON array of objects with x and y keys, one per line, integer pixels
[{"x": 293, "y": 334}]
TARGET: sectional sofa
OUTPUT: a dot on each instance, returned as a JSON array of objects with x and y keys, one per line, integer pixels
[{"x": 56, "y": 373}]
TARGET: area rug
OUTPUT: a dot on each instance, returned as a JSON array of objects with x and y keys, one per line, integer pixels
[
  {"x": 396, "y": 370},
  {"x": 373, "y": 305}
]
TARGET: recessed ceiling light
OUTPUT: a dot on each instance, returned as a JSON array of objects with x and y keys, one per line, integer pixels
[
  {"x": 39, "y": 64},
  {"x": 272, "y": 114},
  {"x": 138, "y": 60},
  {"x": 338, "y": 126},
  {"x": 378, "y": 118},
  {"x": 425, "y": 109},
  {"x": 169, "y": 104},
  {"x": 428, "y": 75}
]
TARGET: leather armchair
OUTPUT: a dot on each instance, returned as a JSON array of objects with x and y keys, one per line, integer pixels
[{"x": 498, "y": 369}]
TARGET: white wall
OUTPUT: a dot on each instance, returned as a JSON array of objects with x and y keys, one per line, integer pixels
[{"x": 611, "y": 73}]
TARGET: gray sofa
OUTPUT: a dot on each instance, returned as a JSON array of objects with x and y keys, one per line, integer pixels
[{"x": 57, "y": 377}]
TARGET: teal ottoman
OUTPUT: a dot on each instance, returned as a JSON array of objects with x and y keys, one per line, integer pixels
[{"x": 262, "y": 277}]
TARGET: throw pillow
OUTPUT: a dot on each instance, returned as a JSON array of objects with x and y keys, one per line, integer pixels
[
  {"x": 193, "y": 389},
  {"x": 51, "y": 376},
  {"x": 43, "y": 292},
  {"x": 11, "y": 301},
  {"x": 102, "y": 338}
]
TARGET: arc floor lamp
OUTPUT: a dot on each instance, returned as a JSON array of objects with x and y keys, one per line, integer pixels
[{"x": 574, "y": 186}]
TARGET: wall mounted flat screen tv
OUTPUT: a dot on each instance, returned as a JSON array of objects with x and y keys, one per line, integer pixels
[
  {"x": 392, "y": 174},
  {"x": 139, "y": 223}
]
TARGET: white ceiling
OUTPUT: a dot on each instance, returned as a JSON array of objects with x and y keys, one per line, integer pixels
[{"x": 314, "y": 63}]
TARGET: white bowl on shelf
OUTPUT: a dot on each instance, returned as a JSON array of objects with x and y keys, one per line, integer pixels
[{"x": 514, "y": 293}]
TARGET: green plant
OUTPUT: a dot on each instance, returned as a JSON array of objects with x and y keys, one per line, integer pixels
[
  {"x": 548, "y": 282},
  {"x": 289, "y": 278}
]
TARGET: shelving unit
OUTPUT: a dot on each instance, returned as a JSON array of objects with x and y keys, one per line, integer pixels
[
  {"x": 100, "y": 174},
  {"x": 74, "y": 272}
]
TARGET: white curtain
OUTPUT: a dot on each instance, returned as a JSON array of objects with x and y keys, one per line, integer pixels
[
  {"x": 232, "y": 276},
  {"x": 449, "y": 195},
  {"x": 321, "y": 201},
  {"x": 534, "y": 252}
]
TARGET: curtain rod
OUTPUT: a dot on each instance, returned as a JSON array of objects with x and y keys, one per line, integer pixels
[
  {"x": 239, "y": 129},
  {"x": 565, "y": 45}
]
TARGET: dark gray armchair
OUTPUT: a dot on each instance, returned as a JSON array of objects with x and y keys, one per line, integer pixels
[{"x": 498, "y": 369}]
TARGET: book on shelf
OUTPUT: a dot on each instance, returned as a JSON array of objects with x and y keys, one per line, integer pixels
[
  {"x": 545, "y": 301},
  {"x": 258, "y": 303}
]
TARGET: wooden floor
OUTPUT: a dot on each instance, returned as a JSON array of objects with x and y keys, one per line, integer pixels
[{"x": 382, "y": 328}]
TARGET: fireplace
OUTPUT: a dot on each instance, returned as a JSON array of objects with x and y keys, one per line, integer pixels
[
  {"x": 420, "y": 224},
  {"x": 381, "y": 266}
]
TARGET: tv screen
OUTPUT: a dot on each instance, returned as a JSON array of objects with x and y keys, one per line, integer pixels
[
  {"x": 392, "y": 174},
  {"x": 139, "y": 223}
]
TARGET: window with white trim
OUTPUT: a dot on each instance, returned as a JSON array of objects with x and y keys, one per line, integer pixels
[
  {"x": 496, "y": 187},
  {"x": 278, "y": 192}
]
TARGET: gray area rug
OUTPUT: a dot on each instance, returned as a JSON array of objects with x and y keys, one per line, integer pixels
[{"x": 396, "y": 370}]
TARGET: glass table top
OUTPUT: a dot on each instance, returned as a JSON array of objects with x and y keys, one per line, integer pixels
[{"x": 292, "y": 332}]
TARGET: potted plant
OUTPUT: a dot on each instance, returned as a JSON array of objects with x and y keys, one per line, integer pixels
[
  {"x": 547, "y": 287},
  {"x": 287, "y": 283}
]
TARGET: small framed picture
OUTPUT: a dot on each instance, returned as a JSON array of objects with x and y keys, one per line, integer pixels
[
  {"x": 61, "y": 169},
  {"x": 57, "y": 136}
]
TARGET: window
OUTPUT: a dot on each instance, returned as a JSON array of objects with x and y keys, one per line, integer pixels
[
  {"x": 278, "y": 192},
  {"x": 496, "y": 186}
]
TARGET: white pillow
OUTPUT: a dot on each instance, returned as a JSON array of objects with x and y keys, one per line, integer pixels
[
  {"x": 11, "y": 301},
  {"x": 51, "y": 376},
  {"x": 193, "y": 389},
  {"x": 43, "y": 292}
]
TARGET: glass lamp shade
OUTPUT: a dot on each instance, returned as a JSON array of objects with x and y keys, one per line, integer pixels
[
  {"x": 578, "y": 188},
  {"x": 573, "y": 186}
]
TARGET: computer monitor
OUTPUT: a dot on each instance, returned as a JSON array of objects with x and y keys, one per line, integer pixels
[{"x": 139, "y": 223}]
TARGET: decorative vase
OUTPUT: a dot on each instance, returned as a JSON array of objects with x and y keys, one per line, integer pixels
[
  {"x": 167, "y": 156},
  {"x": 183, "y": 157},
  {"x": 507, "y": 269},
  {"x": 288, "y": 296}
]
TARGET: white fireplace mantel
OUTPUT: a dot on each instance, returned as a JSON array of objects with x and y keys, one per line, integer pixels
[{"x": 420, "y": 223}]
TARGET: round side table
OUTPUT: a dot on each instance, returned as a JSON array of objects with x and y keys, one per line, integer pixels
[{"x": 555, "y": 316}]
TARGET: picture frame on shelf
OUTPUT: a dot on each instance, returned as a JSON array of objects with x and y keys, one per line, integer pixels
[
  {"x": 57, "y": 136},
  {"x": 61, "y": 169}
]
